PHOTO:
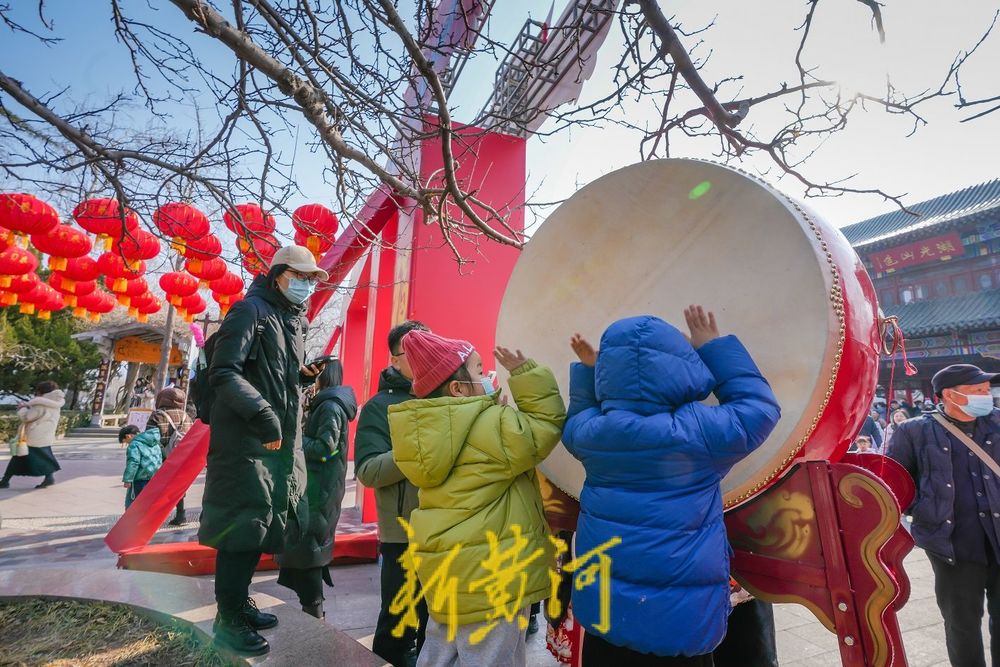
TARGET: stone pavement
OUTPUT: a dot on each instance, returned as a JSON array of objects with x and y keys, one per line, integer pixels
[{"x": 64, "y": 526}]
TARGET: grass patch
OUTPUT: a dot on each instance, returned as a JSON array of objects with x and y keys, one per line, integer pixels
[{"x": 61, "y": 633}]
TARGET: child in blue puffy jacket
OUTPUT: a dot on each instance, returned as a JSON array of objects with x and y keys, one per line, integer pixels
[{"x": 654, "y": 456}]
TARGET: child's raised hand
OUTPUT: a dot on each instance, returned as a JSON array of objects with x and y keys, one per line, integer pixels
[
  {"x": 584, "y": 350},
  {"x": 701, "y": 324},
  {"x": 509, "y": 360}
]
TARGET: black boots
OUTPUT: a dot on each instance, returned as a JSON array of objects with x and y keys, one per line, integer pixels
[
  {"x": 179, "y": 519},
  {"x": 48, "y": 481},
  {"x": 315, "y": 610},
  {"x": 238, "y": 632},
  {"x": 234, "y": 632},
  {"x": 5, "y": 483},
  {"x": 257, "y": 619}
]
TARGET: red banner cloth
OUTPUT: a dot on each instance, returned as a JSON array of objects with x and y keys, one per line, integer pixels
[{"x": 152, "y": 507}]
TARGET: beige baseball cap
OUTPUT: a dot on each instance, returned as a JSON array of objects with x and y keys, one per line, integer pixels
[{"x": 301, "y": 259}]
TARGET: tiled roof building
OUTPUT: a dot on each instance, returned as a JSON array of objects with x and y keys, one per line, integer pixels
[{"x": 937, "y": 269}]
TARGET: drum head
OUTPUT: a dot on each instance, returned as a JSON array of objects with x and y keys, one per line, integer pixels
[{"x": 654, "y": 237}]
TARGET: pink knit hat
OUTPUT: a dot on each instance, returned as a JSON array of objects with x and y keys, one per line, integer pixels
[{"x": 433, "y": 359}]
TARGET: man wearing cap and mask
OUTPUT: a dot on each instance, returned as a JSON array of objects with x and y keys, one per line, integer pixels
[
  {"x": 256, "y": 470},
  {"x": 952, "y": 454}
]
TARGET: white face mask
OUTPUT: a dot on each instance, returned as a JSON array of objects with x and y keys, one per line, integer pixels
[{"x": 977, "y": 406}]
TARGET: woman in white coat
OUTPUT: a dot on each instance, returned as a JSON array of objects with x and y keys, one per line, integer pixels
[{"x": 39, "y": 419}]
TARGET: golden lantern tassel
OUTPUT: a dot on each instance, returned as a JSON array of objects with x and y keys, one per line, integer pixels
[
  {"x": 119, "y": 285},
  {"x": 143, "y": 318},
  {"x": 27, "y": 309},
  {"x": 70, "y": 300},
  {"x": 45, "y": 315},
  {"x": 124, "y": 300},
  {"x": 79, "y": 312},
  {"x": 133, "y": 312},
  {"x": 313, "y": 244},
  {"x": 5, "y": 281}
]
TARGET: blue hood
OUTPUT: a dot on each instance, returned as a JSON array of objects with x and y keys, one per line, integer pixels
[{"x": 647, "y": 366}]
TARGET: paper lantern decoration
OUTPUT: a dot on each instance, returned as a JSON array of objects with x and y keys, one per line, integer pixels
[
  {"x": 202, "y": 249},
  {"x": 190, "y": 306},
  {"x": 249, "y": 220},
  {"x": 32, "y": 300},
  {"x": 226, "y": 301},
  {"x": 125, "y": 293},
  {"x": 138, "y": 246},
  {"x": 257, "y": 255},
  {"x": 206, "y": 271},
  {"x": 226, "y": 286},
  {"x": 148, "y": 308},
  {"x": 315, "y": 226},
  {"x": 19, "y": 285},
  {"x": 26, "y": 214},
  {"x": 80, "y": 269},
  {"x": 61, "y": 243},
  {"x": 70, "y": 289},
  {"x": 6, "y": 238},
  {"x": 103, "y": 217},
  {"x": 94, "y": 305},
  {"x": 177, "y": 285},
  {"x": 15, "y": 261},
  {"x": 180, "y": 222},
  {"x": 50, "y": 303},
  {"x": 112, "y": 265}
]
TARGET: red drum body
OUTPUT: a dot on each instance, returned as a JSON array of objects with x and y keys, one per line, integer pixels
[{"x": 654, "y": 237}]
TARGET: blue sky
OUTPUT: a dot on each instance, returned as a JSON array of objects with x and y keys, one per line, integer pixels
[{"x": 757, "y": 39}]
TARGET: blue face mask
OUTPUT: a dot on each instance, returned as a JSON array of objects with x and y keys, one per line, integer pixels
[
  {"x": 978, "y": 406},
  {"x": 299, "y": 290}
]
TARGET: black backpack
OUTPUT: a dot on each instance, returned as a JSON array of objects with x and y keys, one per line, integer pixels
[{"x": 202, "y": 393}]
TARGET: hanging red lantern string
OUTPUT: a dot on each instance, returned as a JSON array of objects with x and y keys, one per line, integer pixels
[
  {"x": 94, "y": 305},
  {"x": 226, "y": 301},
  {"x": 33, "y": 299},
  {"x": 26, "y": 214},
  {"x": 137, "y": 247},
  {"x": 206, "y": 271},
  {"x": 70, "y": 289},
  {"x": 103, "y": 218},
  {"x": 201, "y": 250},
  {"x": 249, "y": 220},
  {"x": 138, "y": 301},
  {"x": 190, "y": 306},
  {"x": 52, "y": 301},
  {"x": 180, "y": 222},
  {"x": 124, "y": 293},
  {"x": 315, "y": 226},
  {"x": 15, "y": 261},
  {"x": 80, "y": 269},
  {"x": 177, "y": 285},
  {"x": 112, "y": 265},
  {"x": 148, "y": 308},
  {"x": 62, "y": 243},
  {"x": 18, "y": 285}
]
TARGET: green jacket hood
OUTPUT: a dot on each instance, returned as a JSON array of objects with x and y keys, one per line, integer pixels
[{"x": 438, "y": 429}]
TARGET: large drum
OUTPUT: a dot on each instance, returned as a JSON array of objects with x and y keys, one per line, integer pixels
[{"x": 656, "y": 236}]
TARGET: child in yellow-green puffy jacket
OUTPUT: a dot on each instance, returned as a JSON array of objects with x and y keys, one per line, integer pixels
[{"x": 473, "y": 461}]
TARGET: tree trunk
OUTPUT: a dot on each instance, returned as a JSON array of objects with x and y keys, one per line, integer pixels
[{"x": 162, "y": 370}]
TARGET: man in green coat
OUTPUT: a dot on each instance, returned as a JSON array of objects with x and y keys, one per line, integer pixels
[
  {"x": 256, "y": 472},
  {"x": 395, "y": 497}
]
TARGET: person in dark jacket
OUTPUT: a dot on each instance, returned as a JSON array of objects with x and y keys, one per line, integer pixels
[
  {"x": 256, "y": 472},
  {"x": 324, "y": 442},
  {"x": 171, "y": 418},
  {"x": 872, "y": 429},
  {"x": 395, "y": 497},
  {"x": 956, "y": 510},
  {"x": 638, "y": 424}
]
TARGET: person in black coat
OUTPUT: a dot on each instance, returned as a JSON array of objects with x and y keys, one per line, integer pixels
[
  {"x": 324, "y": 442},
  {"x": 256, "y": 471}
]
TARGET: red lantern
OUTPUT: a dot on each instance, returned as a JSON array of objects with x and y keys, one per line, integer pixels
[
  {"x": 95, "y": 304},
  {"x": 248, "y": 220},
  {"x": 206, "y": 271},
  {"x": 190, "y": 306},
  {"x": 70, "y": 289},
  {"x": 18, "y": 285},
  {"x": 112, "y": 265},
  {"x": 315, "y": 226},
  {"x": 226, "y": 301},
  {"x": 201, "y": 250},
  {"x": 148, "y": 308},
  {"x": 33, "y": 299},
  {"x": 15, "y": 261},
  {"x": 61, "y": 243},
  {"x": 177, "y": 285},
  {"x": 26, "y": 214},
  {"x": 257, "y": 255},
  {"x": 103, "y": 218},
  {"x": 138, "y": 246},
  {"x": 80, "y": 269},
  {"x": 124, "y": 293},
  {"x": 226, "y": 286},
  {"x": 6, "y": 238},
  {"x": 51, "y": 302},
  {"x": 180, "y": 221}
]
